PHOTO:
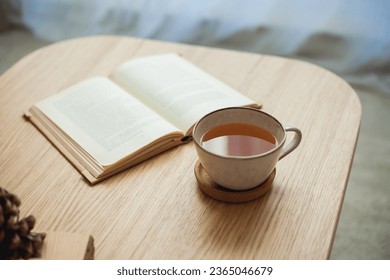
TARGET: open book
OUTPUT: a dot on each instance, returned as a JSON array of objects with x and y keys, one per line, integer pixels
[{"x": 147, "y": 105}]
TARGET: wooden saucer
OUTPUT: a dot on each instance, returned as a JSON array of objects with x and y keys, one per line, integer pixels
[{"x": 220, "y": 193}]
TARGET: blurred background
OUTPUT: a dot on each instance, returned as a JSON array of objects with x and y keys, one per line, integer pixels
[{"x": 350, "y": 38}]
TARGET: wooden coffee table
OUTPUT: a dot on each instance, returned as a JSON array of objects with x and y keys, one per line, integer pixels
[{"x": 155, "y": 210}]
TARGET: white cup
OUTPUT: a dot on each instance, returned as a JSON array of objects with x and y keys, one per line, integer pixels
[{"x": 243, "y": 172}]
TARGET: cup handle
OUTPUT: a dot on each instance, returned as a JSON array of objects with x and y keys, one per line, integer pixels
[{"x": 294, "y": 142}]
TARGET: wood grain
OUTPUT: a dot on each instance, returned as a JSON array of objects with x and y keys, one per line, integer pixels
[
  {"x": 155, "y": 210},
  {"x": 67, "y": 246}
]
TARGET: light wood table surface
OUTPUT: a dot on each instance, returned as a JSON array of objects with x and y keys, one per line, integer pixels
[{"x": 155, "y": 210}]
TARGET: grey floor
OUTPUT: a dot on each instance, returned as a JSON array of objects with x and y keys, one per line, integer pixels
[{"x": 364, "y": 227}]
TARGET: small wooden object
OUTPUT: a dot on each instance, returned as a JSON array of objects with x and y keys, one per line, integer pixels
[
  {"x": 220, "y": 193},
  {"x": 67, "y": 246}
]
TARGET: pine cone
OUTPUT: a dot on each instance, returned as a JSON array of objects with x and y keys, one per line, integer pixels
[{"x": 16, "y": 239}]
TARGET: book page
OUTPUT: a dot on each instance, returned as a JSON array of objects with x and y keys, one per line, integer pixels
[
  {"x": 104, "y": 120},
  {"x": 176, "y": 89}
]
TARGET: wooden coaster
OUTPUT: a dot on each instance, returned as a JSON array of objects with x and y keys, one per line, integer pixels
[{"x": 226, "y": 195}]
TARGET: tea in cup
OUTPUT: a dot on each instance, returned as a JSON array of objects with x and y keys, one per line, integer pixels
[{"x": 239, "y": 147}]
